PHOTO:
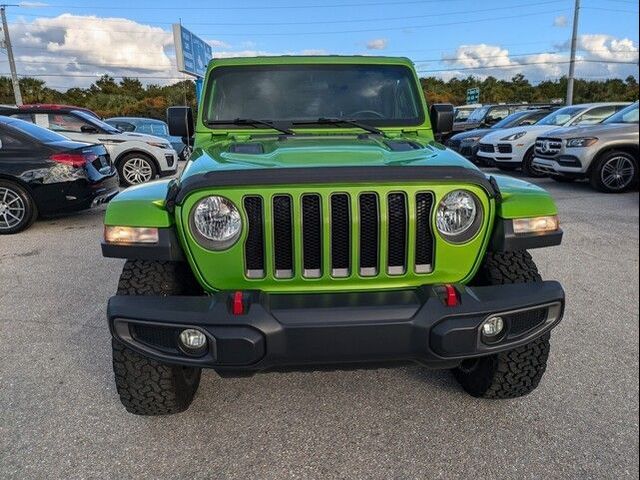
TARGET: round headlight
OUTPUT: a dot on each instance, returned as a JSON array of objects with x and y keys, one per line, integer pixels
[
  {"x": 459, "y": 216},
  {"x": 216, "y": 222}
]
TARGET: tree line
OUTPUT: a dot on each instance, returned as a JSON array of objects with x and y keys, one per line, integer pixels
[{"x": 128, "y": 97}]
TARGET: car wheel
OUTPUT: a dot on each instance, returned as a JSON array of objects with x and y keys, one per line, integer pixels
[
  {"x": 147, "y": 386},
  {"x": 17, "y": 209},
  {"x": 516, "y": 372},
  {"x": 186, "y": 153},
  {"x": 135, "y": 169},
  {"x": 614, "y": 172},
  {"x": 527, "y": 165}
]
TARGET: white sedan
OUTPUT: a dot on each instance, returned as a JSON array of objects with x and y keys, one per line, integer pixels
[{"x": 514, "y": 147}]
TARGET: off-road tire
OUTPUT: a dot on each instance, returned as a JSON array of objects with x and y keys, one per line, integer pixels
[
  {"x": 30, "y": 212},
  {"x": 146, "y": 386},
  {"x": 516, "y": 372},
  {"x": 527, "y": 165}
]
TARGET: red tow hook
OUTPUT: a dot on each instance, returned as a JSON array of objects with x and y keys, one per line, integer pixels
[
  {"x": 237, "y": 304},
  {"x": 451, "y": 296}
]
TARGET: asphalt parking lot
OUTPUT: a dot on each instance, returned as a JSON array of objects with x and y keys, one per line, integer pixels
[{"x": 60, "y": 416}]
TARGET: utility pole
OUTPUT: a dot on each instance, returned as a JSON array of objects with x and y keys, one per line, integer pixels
[
  {"x": 12, "y": 63},
  {"x": 572, "y": 61}
]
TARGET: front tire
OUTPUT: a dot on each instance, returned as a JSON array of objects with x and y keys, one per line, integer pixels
[
  {"x": 146, "y": 386},
  {"x": 527, "y": 165},
  {"x": 136, "y": 168},
  {"x": 18, "y": 211},
  {"x": 614, "y": 172},
  {"x": 516, "y": 372}
]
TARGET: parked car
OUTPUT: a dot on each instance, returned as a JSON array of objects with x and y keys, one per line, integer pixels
[
  {"x": 43, "y": 173},
  {"x": 138, "y": 158},
  {"x": 513, "y": 148},
  {"x": 334, "y": 234},
  {"x": 466, "y": 143},
  {"x": 607, "y": 154},
  {"x": 488, "y": 115},
  {"x": 462, "y": 112},
  {"x": 151, "y": 126}
]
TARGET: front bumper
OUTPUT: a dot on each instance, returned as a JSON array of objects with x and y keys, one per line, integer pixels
[
  {"x": 565, "y": 165},
  {"x": 300, "y": 330}
]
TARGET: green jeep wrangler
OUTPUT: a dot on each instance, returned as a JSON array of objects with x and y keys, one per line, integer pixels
[{"x": 319, "y": 224}]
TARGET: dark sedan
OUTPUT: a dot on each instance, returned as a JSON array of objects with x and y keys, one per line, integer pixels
[
  {"x": 43, "y": 173},
  {"x": 466, "y": 143}
]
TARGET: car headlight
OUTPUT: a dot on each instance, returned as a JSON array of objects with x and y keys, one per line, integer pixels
[
  {"x": 514, "y": 136},
  {"x": 162, "y": 145},
  {"x": 215, "y": 222},
  {"x": 459, "y": 216},
  {"x": 471, "y": 139},
  {"x": 581, "y": 142}
]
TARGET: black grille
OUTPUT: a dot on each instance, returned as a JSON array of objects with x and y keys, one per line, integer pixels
[
  {"x": 369, "y": 221},
  {"x": 311, "y": 236},
  {"x": 486, "y": 147},
  {"x": 254, "y": 246},
  {"x": 340, "y": 234},
  {"x": 424, "y": 239},
  {"x": 283, "y": 236},
  {"x": 522, "y": 322},
  {"x": 397, "y": 206},
  {"x": 454, "y": 144},
  {"x": 164, "y": 338},
  {"x": 505, "y": 148}
]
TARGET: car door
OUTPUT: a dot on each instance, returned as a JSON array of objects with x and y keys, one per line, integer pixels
[{"x": 20, "y": 157}]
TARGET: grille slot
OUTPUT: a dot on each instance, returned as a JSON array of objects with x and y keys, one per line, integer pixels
[
  {"x": 397, "y": 244},
  {"x": 424, "y": 238},
  {"x": 521, "y": 322},
  {"x": 311, "y": 236},
  {"x": 283, "y": 236},
  {"x": 254, "y": 245},
  {"x": 340, "y": 235},
  {"x": 369, "y": 237}
]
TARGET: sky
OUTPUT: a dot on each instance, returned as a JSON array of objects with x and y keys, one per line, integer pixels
[{"x": 71, "y": 43}]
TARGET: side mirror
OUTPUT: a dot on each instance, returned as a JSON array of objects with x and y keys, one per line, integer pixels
[
  {"x": 180, "y": 121},
  {"x": 441, "y": 115},
  {"x": 88, "y": 129}
]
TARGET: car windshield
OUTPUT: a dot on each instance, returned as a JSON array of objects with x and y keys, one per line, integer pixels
[
  {"x": 39, "y": 133},
  {"x": 510, "y": 120},
  {"x": 562, "y": 116},
  {"x": 462, "y": 113},
  {"x": 626, "y": 115},
  {"x": 478, "y": 114},
  {"x": 378, "y": 95},
  {"x": 95, "y": 121}
]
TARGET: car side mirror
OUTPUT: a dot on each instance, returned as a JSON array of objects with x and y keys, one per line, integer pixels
[
  {"x": 441, "y": 115},
  {"x": 88, "y": 129},
  {"x": 180, "y": 121}
]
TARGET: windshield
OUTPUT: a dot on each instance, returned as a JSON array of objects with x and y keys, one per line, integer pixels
[
  {"x": 39, "y": 133},
  {"x": 95, "y": 121},
  {"x": 380, "y": 95},
  {"x": 462, "y": 113},
  {"x": 626, "y": 115},
  {"x": 562, "y": 116},
  {"x": 478, "y": 114},
  {"x": 509, "y": 120}
]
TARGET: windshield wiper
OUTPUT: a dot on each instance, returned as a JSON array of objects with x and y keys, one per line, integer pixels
[
  {"x": 254, "y": 123},
  {"x": 344, "y": 121}
]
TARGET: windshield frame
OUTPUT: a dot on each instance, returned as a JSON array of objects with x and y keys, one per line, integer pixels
[{"x": 308, "y": 123}]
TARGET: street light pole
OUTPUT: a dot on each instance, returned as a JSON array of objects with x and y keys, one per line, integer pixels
[
  {"x": 12, "y": 63},
  {"x": 572, "y": 61}
]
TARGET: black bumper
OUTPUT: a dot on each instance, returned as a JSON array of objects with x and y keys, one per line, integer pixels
[{"x": 285, "y": 331}]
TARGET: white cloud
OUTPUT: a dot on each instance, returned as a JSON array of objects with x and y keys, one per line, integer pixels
[
  {"x": 377, "y": 44},
  {"x": 33, "y": 4},
  {"x": 560, "y": 21}
]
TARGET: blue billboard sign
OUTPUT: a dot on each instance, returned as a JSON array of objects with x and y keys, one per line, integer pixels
[{"x": 192, "y": 53}]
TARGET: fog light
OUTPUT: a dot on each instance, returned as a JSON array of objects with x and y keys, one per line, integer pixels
[
  {"x": 492, "y": 327},
  {"x": 193, "y": 341}
]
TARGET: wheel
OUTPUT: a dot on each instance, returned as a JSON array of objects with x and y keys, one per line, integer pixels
[
  {"x": 614, "y": 172},
  {"x": 17, "y": 209},
  {"x": 527, "y": 165},
  {"x": 562, "y": 179},
  {"x": 516, "y": 372},
  {"x": 136, "y": 168},
  {"x": 146, "y": 386},
  {"x": 186, "y": 153}
]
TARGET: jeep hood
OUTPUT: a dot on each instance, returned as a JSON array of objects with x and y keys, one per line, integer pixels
[{"x": 320, "y": 151}]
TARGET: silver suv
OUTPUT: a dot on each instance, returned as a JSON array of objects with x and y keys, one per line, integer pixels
[{"x": 606, "y": 154}]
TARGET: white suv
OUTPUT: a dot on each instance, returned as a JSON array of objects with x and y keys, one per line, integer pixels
[
  {"x": 515, "y": 147},
  {"x": 138, "y": 157}
]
